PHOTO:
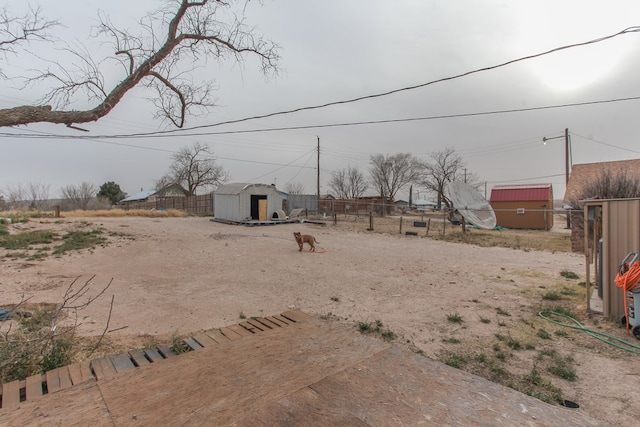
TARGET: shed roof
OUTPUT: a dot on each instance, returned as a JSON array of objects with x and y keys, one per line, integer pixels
[
  {"x": 238, "y": 187},
  {"x": 581, "y": 174},
  {"x": 141, "y": 195},
  {"x": 521, "y": 192}
]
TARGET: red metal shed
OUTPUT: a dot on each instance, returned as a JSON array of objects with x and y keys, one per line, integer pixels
[{"x": 528, "y": 206}]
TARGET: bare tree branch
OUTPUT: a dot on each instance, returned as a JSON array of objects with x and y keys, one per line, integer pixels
[
  {"x": 192, "y": 31},
  {"x": 389, "y": 173},
  {"x": 348, "y": 183},
  {"x": 194, "y": 168},
  {"x": 80, "y": 195}
]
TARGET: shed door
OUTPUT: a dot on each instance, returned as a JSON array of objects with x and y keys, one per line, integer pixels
[
  {"x": 259, "y": 207},
  {"x": 262, "y": 209}
]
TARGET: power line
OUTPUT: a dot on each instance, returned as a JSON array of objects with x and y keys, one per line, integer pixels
[
  {"x": 604, "y": 143},
  {"x": 172, "y": 132},
  {"x": 327, "y": 125},
  {"x": 528, "y": 179}
]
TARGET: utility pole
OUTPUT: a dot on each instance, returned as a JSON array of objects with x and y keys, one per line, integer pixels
[
  {"x": 318, "y": 176},
  {"x": 566, "y": 164},
  {"x": 566, "y": 168}
]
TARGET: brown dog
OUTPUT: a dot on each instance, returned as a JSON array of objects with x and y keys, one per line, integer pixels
[{"x": 305, "y": 238}]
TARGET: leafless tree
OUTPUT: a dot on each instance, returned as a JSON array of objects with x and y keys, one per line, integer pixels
[
  {"x": 294, "y": 188},
  {"x": 390, "y": 173},
  {"x": 608, "y": 185},
  {"x": 445, "y": 166},
  {"x": 16, "y": 197},
  {"x": 33, "y": 195},
  {"x": 348, "y": 183},
  {"x": 194, "y": 168},
  {"x": 176, "y": 40},
  {"x": 38, "y": 194},
  {"x": 16, "y": 31},
  {"x": 80, "y": 195}
]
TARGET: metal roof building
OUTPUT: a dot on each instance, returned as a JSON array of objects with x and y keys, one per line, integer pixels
[
  {"x": 523, "y": 206},
  {"x": 237, "y": 202}
]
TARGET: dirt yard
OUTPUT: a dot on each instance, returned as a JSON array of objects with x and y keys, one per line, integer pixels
[{"x": 471, "y": 307}]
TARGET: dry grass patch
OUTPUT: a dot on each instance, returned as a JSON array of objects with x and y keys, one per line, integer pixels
[
  {"x": 438, "y": 229},
  {"x": 169, "y": 213}
]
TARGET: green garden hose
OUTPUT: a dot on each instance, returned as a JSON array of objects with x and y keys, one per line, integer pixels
[{"x": 609, "y": 339}]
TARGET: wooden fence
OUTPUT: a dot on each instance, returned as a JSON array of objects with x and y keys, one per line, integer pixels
[{"x": 193, "y": 205}]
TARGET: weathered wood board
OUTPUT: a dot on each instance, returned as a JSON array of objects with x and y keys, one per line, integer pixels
[
  {"x": 81, "y": 405},
  {"x": 222, "y": 384},
  {"x": 309, "y": 373}
]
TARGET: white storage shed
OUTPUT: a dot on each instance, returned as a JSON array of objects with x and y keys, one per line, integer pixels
[{"x": 238, "y": 202}]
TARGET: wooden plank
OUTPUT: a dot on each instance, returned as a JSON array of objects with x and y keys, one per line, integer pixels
[
  {"x": 249, "y": 327},
  {"x": 276, "y": 321},
  {"x": 53, "y": 381},
  {"x": 80, "y": 372},
  {"x": 103, "y": 368},
  {"x": 272, "y": 324},
  {"x": 396, "y": 384},
  {"x": 85, "y": 371},
  {"x": 282, "y": 319},
  {"x": 230, "y": 333},
  {"x": 166, "y": 351},
  {"x": 240, "y": 330},
  {"x": 259, "y": 325},
  {"x": 64, "y": 377},
  {"x": 192, "y": 344},
  {"x": 11, "y": 395},
  {"x": 204, "y": 340},
  {"x": 34, "y": 386},
  {"x": 222, "y": 385},
  {"x": 122, "y": 362},
  {"x": 218, "y": 336},
  {"x": 296, "y": 315},
  {"x": 138, "y": 357},
  {"x": 153, "y": 354},
  {"x": 302, "y": 408},
  {"x": 76, "y": 406}
]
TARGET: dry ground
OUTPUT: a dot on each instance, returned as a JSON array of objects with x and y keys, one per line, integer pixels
[{"x": 470, "y": 306}]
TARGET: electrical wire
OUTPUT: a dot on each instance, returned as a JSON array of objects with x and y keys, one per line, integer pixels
[
  {"x": 604, "y": 143},
  {"x": 628, "y": 30},
  {"x": 609, "y": 339},
  {"x": 172, "y": 132}
]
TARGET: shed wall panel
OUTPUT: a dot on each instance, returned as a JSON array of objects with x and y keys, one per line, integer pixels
[
  {"x": 535, "y": 216},
  {"x": 621, "y": 235},
  {"x": 227, "y": 206}
]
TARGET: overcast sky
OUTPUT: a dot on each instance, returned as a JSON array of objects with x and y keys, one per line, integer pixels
[{"x": 335, "y": 50}]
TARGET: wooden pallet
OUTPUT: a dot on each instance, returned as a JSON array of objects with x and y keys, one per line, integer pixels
[{"x": 15, "y": 392}]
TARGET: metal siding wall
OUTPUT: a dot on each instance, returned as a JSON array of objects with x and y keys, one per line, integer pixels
[
  {"x": 244, "y": 205},
  {"x": 227, "y": 207},
  {"x": 302, "y": 201},
  {"x": 274, "y": 203},
  {"x": 533, "y": 218},
  {"x": 621, "y": 235}
]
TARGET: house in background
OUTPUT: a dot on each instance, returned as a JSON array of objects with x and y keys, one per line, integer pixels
[
  {"x": 583, "y": 174},
  {"x": 423, "y": 205},
  {"x": 239, "y": 202},
  {"x": 173, "y": 190},
  {"x": 523, "y": 206}
]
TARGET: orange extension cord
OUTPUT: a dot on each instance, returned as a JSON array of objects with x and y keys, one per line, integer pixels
[{"x": 628, "y": 281}]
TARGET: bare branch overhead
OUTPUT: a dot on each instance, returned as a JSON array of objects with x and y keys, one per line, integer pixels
[{"x": 163, "y": 57}]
